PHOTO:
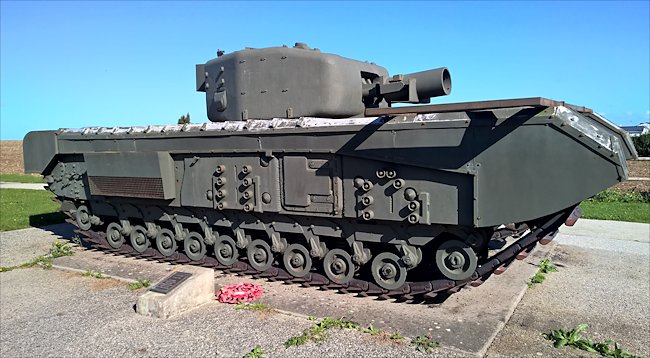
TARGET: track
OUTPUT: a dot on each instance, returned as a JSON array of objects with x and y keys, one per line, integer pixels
[{"x": 423, "y": 290}]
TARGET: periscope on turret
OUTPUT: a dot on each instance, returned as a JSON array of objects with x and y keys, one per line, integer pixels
[{"x": 307, "y": 172}]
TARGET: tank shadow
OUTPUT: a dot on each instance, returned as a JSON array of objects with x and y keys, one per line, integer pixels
[
  {"x": 48, "y": 219},
  {"x": 65, "y": 230}
]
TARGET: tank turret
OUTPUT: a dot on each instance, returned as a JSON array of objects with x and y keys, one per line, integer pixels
[{"x": 283, "y": 82}]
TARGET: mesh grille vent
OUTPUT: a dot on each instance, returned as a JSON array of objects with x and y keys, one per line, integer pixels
[{"x": 151, "y": 188}]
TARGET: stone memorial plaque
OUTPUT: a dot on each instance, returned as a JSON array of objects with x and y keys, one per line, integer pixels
[{"x": 170, "y": 282}]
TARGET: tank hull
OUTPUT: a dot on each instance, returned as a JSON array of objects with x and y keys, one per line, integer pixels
[
  {"x": 354, "y": 203},
  {"x": 480, "y": 168}
]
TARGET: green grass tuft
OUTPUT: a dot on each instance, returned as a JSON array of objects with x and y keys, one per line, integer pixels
[
  {"x": 140, "y": 283},
  {"x": 545, "y": 266},
  {"x": 371, "y": 330},
  {"x": 424, "y": 344},
  {"x": 94, "y": 274},
  {"x": 60, "y": 249},
  {"x": 21, "y": 178},
  {"x": 23, "y": 208},
  {"x": 256, "y": 352},
  {"x": 318, "y": 332},
  {"x": 573, "y": 339}
]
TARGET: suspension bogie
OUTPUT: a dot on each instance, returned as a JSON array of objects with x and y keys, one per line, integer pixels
[{"x": 298, "y": 247}]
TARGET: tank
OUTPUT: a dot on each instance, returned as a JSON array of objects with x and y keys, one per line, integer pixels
[{"x": 308, "y": 173}]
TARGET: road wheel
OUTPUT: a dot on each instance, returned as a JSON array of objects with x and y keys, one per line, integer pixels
[
  {"x": 259, "y": 254},
  {"x": 296, "y": 260},
  {"x": 225, "y": 250},
  {"x": 456, "y": 260},
  {"x": 338, "y": 266},
  {"x": 388, "y": 271}
]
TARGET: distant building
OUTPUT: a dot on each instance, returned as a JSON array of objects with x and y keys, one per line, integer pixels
[{"x": 635, "y": 131}]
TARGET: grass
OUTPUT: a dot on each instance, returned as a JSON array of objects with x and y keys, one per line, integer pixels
[
  {"x": 58, "y": 249},
  {"x": 252, "y": 306},
  {"x": 573, "y": 339},
  {"x": 256, "y": 352},
  {"x": 94, "y": 274},
  {"x": 616, "y": 205},
  {"x": 318, "y": 332},
  {"x": 545, "y": 266},
  {"x": 140, "y": 283},
  {"x": 371, "y": 330},
  {"x": 424, "y": 344},
  {"x": 614, "y": 196},
  {"x": 21, "y": 178},
  {"x": 23, "y": 208},
  {"x": 634, "y": 212}
]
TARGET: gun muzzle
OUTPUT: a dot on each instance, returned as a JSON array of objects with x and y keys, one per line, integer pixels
[
  {"x": 416, "y": 87},
  {"x": 431, "y": 83}
]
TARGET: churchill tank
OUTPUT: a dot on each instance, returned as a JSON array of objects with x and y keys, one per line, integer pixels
[{"x": 324, "y": 171}]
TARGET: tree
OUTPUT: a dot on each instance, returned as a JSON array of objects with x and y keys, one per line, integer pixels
[
  {"x": 185, "y": 119},
  {"x": 642, "y": 145}
]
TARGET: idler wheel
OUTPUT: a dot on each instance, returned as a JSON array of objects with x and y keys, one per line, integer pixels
[
  {"x": 139, "y": 239},
  {"x": 456, "y": 260},
  {"x": 114, "y": 235},
  {"x": 338, "y": 266},
  {"x": 194, "y": 246},
  {"x": 82, "y": 216},
  {"x": 388, "y": 271},
  {"x": 225, "y": 250},
  {"x": 296, "y": 260},
  {"x": 166, "y": 243},
  {"x": 259, "y": 254}
]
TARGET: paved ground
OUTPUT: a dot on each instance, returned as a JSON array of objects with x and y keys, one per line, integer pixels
[
  {"x": 7, "y": 185},
  {"x": 602, "y": 282},
  {"x": 613, "y": 230}
]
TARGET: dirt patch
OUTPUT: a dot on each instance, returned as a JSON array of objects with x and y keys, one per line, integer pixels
[
  {"x": 11, "y": 156},
  {"x": 639, "y": 168},
  {"x": 105, "y": 283},
  {"x": 633, "y": 185},
  {"x": 95, "y": 283}
]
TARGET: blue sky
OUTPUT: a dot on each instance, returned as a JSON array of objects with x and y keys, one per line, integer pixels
[{"x": 75, "y": 64}]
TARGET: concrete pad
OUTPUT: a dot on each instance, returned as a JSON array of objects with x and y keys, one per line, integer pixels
[
  {"x": 464, "y": 324},
  {"x": 196, "y": 290},
  {"x": 601, "y": 282},
  {"x": 33, "y": 186},
  {"x": 467, "y": 322},
  {"x": 20, "y": 246},
  {"x": 608, "y": 229},
  {"x": 52, "y": 313},
  {"x": 114, "y": 265}
]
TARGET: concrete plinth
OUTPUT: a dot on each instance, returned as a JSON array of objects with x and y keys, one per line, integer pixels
[{"x": 194, "y": 291}]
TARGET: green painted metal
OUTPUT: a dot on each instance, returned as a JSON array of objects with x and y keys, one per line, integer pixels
[{"x": 330, "y": 161}]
